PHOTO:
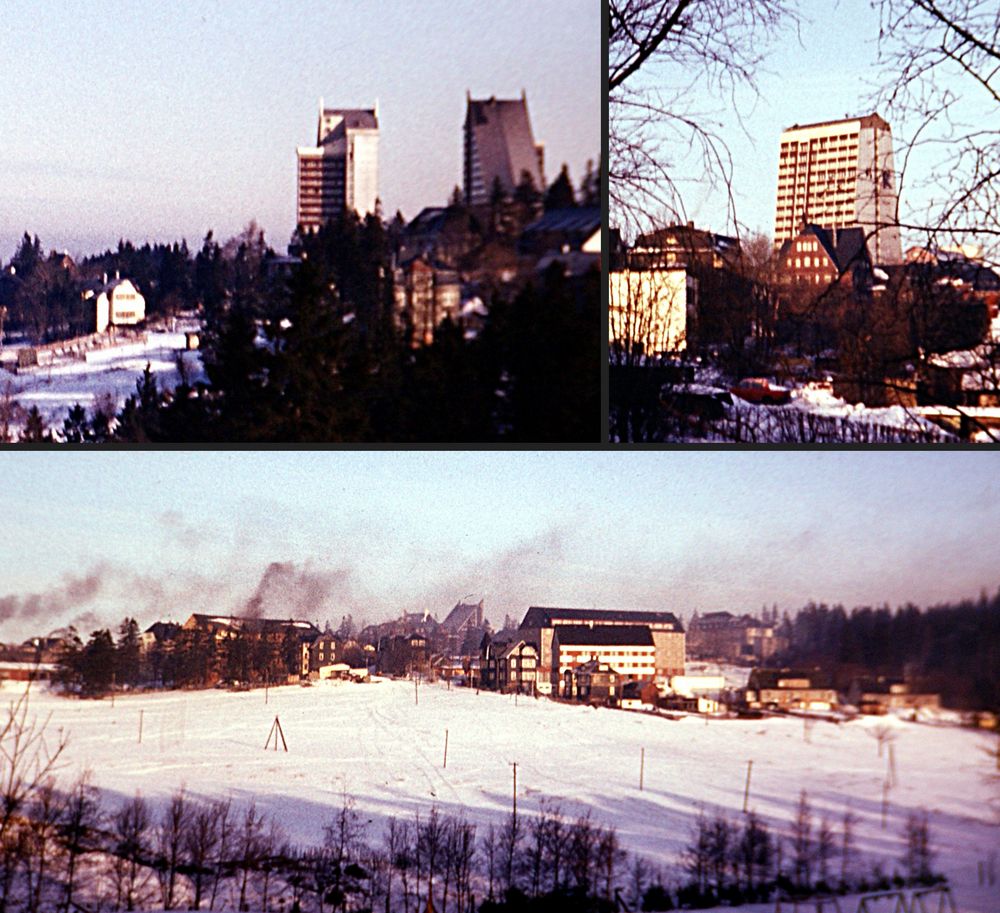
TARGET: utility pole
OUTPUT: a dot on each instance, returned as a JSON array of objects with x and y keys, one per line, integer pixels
[
  {"x": 746, "y": 789},
  {"x": 642, "y": 766},
  {"x": 514, "y": 813},
  {"x": 445, "y": 764},
  {"x": 140, "y": 726}
]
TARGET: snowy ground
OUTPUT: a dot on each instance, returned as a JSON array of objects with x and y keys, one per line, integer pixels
[
  {"x": 107, "y": 374},
  {"x": 374, "y": 742}
]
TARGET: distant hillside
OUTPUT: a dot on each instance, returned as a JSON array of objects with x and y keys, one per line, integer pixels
[{"x": 953, "y": 648}]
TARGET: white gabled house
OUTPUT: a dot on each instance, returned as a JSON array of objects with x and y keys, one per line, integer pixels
[{"x": 118, "y": 303}]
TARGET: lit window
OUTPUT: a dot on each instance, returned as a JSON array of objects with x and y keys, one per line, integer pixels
[
  {"x": 806, "y": 262},
  {"x": 798, "y": 262}
]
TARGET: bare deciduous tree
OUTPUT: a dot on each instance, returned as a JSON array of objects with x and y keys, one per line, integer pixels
[
  {"x": 662, "y": 55},
  {"x": 803, "y": 843},
  {"x": 200, "y": 841},
  {"x": 224, "y": 847},
  {"x": 917, "y": 854},
  {"x": 130, "y": 826},
  {"x": 29, "y": 756},
  {"x": 942, "y": 80},
  {"x": 81, "y": 818},
  {"x": 170, "y": 840},
  {"x": 44, "y": 814}
]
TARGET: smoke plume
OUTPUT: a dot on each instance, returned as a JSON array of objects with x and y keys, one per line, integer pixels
[
  {"x": 72, "y": 593},
  {"x": 285, "y": 591}
]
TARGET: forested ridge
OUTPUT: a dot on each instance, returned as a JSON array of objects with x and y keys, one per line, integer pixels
[{"x": 953, "y": 648}]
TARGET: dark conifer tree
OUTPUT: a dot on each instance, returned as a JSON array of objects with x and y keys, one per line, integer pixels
[
  {"x": 560, "y": 193},
  {"x": 35, "y": 430}
]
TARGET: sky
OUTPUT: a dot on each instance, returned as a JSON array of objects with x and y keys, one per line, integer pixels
[
  {"x": 157, "y": 121},
  {"x": 826, "y": 68},
  {"x": 89, "y": 538}
]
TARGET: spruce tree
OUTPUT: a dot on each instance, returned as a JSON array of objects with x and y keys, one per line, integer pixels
[
  {"x": 560, "y": 193},
  {"x": 34, "y": 428}
]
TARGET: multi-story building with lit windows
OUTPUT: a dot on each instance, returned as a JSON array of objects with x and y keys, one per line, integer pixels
[
  {"x": 499, "y": 147},
  {"x": 341, "y": 170},
  {"x": 840, "y": 174},
  {"x": 664, "y": 631}
]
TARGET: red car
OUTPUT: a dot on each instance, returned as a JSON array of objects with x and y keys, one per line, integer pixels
[{"x": 761, "y": 390}]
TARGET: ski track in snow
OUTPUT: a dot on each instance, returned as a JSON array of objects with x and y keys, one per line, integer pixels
[{"x": 375, "y": 744}]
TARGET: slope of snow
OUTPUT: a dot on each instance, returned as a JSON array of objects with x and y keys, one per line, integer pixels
[
  {"x": 105, "y": 374},
  {"x": 383, "y": 745}
]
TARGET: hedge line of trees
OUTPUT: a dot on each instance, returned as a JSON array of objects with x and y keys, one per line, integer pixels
[
  {"x": 953, "y": 648},
  {"x": 71, "y": 850},
  {"x": 191, "y": 659},
  {"x": 743, "y": 861}
]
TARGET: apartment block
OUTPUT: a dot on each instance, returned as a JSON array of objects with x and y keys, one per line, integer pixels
[
  {"x": 840, "y": 174},
  {"x": 341, "y": 171}
]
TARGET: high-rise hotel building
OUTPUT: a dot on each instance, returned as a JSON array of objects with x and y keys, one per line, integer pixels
[
  {"x": 341, "y": 170},
  {"x": 839, "y": 174},
  {"x": 499, "y": 147}
]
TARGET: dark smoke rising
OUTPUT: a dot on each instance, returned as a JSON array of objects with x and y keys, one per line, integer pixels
[
  {"x": 509, "y": 581},
  {"x": 72, "y": 593},
  {"x": 285, "y": 591}
]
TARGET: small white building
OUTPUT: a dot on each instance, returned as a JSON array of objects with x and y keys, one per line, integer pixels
[
  {"x": 693, "y": 685},
  {"x": 704, "y": 690},
  {"x": 648, "y": 309},
  {"x": 118, "y": 304}
]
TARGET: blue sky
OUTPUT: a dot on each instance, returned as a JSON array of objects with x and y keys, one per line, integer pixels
[
  {"x": 97, "y": 536},
  {"x": 825, "y": 69},
  {"x": 162, "y": 120}
]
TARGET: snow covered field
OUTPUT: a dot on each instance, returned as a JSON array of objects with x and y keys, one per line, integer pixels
[
  {"x": 374, "y": 742},
  {"x": 106, "y": 374}
]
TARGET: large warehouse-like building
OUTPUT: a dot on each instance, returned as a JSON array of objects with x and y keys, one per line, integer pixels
[{"x": 541, "y": 624}]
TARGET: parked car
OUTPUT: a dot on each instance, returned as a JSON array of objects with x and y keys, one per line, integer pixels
[{"x": 761, "y": 390}]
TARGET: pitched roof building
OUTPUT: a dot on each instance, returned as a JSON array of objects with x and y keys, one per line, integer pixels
[
  {"x": 684, "y": 245},
  {"x": 790, "y": 689},
  {"x": 541, "y": 623},
  {"x": 222, "y": 626},
  {"x": 499, "y": 146},
  {"x": 561, "y": 229},
  {"x": 834, "y": 251},
  {"x": 629, "y": 650},
  {"x": 463, "y": 617}
]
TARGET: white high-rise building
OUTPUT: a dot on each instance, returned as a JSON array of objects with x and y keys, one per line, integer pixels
[
  {"x": 341, "y": 170},
  {"x": 840, "y": 174}
]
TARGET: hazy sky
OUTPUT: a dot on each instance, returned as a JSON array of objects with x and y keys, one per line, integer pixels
[
  {"x": 162, "y": 120},
  {"x": 93, "y": 536},
  {"x": 823, "y": 70}
]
